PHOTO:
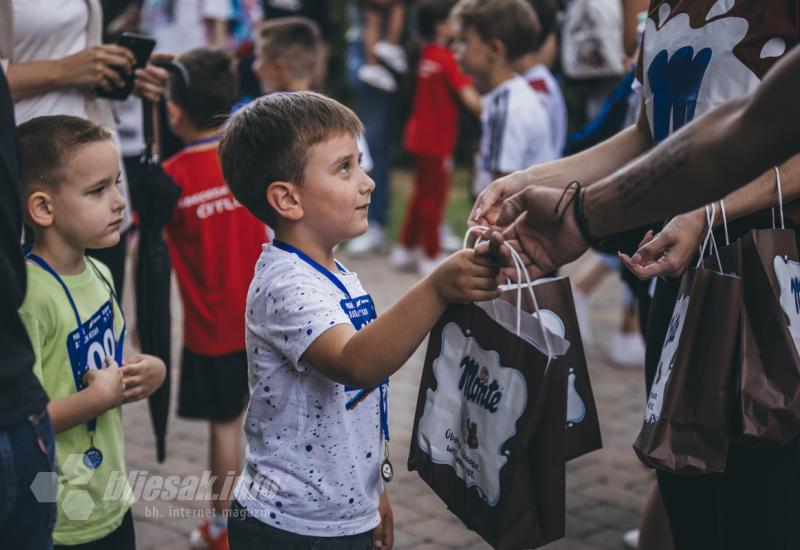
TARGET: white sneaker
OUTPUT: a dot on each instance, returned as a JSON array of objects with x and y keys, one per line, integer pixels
[
  {"x": 584, "y": 318},
  {"x": 428, "y": 265},
  {"x": 449, "y": 242},
  {"x": 631, "y": 539},
  {"x": 393, "y": 55},
  {"x": 405, "y": 259},
  {"x": 373, "y": 240},
  {"x": 627, "y": 350},
  {"x": 377, "y": 76}
]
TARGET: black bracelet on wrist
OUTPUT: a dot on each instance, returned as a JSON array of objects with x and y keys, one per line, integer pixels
[{"x": 580, "y": 218}]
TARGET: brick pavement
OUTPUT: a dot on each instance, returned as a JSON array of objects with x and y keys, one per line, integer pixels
[{"x": 604, "y": 489}]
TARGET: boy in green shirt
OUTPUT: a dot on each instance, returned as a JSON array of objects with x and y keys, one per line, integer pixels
[{"x": 76, "y": 327}]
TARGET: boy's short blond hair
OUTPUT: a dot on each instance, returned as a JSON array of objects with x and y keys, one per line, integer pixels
[
  {"x": 47, "y": 144},
  {"x": 512, "y": 22},
  {"x": 269, "y": 140},
  {"x": 296, "y": 40}
]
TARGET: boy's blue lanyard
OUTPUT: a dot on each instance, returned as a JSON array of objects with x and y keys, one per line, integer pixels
[
  {"x": 92, "y": 423},
  {"x": 384, "y": 408},
  {"x": 202, "y": 141}
]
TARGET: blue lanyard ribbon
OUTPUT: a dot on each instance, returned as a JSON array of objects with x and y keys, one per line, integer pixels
[
  {"x": 92, "y": 424},
  {"x": 362, "y": 394},
  {"x": 202, "y": 141}
]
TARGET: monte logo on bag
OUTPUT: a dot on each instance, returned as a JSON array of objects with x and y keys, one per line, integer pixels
[
  {"x": 788, "y": 274},
  {"x": 476, "y": 387},
  {"x": 472, "y": 378},
  {"x": 655, "y": 401}
]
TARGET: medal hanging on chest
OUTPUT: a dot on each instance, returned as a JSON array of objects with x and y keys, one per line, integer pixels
[
  {"x": 387, "y": 472},
  {"x": 92, "y": 457}
]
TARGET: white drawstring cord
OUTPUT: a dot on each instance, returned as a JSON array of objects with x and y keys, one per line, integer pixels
[
  {"x": 724, "y": 221},
  {"x": 520, "y": 266},
  {"x": 710, "y": 211},
  {"x": 780, "y": 197}
]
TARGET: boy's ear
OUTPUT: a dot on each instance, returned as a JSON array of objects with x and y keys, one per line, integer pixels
[
  {"x": 284, "y": 199},
  {"x": 39, "y": 209},
  {"x": 174, "y": 113},
  {"x": 498, "y": 48}
]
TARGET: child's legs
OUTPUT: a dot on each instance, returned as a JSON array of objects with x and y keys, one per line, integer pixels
[
  {"x": 371, "y": 31},
  {"x": 435, "y": 177},
  {"x": 411, "y": 232},
  {"x": 121, "y": 538},
  {"x": 591, "y": 274},
  {"x": 246, "y": 532},
  {"x": 397, "y": 18},
  {"x": 214, "y": 388},
  {"x": 225, "y": 460}
]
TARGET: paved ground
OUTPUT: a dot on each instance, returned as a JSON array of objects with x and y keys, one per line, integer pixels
[{"x": 604, "y": 489}]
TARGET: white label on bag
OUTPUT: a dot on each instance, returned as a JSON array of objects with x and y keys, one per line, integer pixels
[
  {"x": 788, "y": 274},
  {"x": 472, "y": 413},
  {"x": 655, "y": 401}
]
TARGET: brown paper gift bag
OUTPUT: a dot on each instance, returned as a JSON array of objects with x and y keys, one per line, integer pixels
[
  {"x": 768, "y": 375},
  {"x": 489, "y": 432},
  {"x": 558, "y": 311},
  {"x": 770, "y": 370},
  {"x": 688, "y": 417}
]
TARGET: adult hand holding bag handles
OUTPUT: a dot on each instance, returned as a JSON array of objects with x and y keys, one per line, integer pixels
[
  {"x": 688, "y": 417},
  {"x": 770, "y": 366},
  {"x": 489, "y": 432}
]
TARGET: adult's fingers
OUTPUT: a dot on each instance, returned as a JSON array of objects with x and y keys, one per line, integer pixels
[
  {"x": 646, "y": 239},
  {"x": 636, "y": 269},
  {"x": 487, "y": 198},
  {"x": 652, "y": 250},
  {"x": 121, "y": 56},
  {"x": 112, "y": 76},
  {"x": 511, "y": 209}
]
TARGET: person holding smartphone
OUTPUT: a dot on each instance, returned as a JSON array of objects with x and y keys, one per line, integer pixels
[{"x": 55, "y": 62}]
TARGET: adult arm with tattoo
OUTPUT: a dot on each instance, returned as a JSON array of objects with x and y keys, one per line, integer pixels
[
  {"x": 707, "y": 159},
  {"x": 704, "y": 161},
  {"x": 587, "y": 166},
  {"x": 670, "y": 251}
]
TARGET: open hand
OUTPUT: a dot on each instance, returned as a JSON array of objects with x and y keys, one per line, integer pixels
[
  {"x": 669, "y": 252},
  {"x": 143, "y": 374}
]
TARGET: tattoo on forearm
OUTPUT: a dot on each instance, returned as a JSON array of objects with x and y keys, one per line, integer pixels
[{"x": 638, "y": 181}]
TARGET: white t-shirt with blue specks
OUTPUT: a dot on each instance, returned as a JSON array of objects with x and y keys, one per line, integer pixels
[{"x": 311, "y": 466}]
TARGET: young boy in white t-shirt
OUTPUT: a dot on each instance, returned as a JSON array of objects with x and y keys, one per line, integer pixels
[
  {"x": 318, "y": 358},
  {"x": 515, "y": 130}
]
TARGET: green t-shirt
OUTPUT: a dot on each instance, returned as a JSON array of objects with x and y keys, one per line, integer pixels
[{"x": 91, "y": 502}]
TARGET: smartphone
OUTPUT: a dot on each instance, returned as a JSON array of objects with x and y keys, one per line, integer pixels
[{"x": 142, "y": 47}]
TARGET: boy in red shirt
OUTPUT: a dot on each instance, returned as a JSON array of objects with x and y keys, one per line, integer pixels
[
  {"x": 430, "y": 136},
  {"x": 214, "y": 243}
]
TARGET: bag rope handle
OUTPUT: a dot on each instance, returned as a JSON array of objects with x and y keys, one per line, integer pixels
[
  {"x": 714, "y": 251},
  {"x": 520, "y": 266}
]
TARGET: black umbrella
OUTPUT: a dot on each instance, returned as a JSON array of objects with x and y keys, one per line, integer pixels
[{"x": 154, "y": 197}]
